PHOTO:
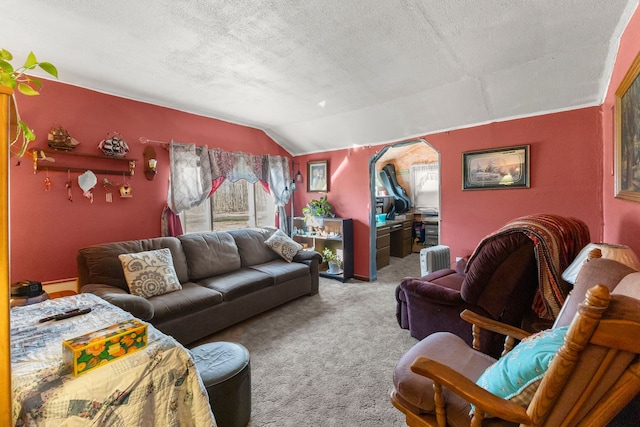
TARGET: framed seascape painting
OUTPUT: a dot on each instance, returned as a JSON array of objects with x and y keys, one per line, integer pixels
[
  {"x": 627, "y": 126},
  {"x": 317, "y": 176},
  {"x": 500, "y": 168}
]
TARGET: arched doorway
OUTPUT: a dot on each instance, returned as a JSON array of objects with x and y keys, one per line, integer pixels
[{"x": 409, "y": 159}]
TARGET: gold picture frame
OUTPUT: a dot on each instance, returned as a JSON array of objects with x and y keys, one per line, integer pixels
[{"x": 627, "y": 135}]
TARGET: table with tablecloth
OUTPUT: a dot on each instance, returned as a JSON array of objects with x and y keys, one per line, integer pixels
[{"x": 155, "y": 386}]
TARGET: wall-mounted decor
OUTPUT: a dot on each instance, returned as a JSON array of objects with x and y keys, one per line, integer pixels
[
  {"x": 150, "y": 163},
  {"x": 317, "y": 176},
  {"x": 506, "y": 167},
  {"x": 627, "y": 125}
]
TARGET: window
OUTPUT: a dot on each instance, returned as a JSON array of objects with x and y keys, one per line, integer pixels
[
  {"x": 425, "y": 187},
  {"x": 232, "y": 206}
]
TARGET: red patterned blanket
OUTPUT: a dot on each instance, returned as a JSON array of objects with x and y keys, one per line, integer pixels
[{"x": 557, "y": 241}]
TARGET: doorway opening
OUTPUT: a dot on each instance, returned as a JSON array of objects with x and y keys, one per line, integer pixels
[{"x": 416, "y": 166}]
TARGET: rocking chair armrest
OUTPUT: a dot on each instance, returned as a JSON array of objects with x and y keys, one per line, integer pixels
[
  {"x": 493, "y": 325},
  {"x": 483, "y": 400}
]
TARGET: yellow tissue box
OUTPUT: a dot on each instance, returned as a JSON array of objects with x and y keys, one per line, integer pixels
[{"x": 83, "y": 353}]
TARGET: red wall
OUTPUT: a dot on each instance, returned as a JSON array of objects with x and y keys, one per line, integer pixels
[
  {"x": 571, "y": 174},
  {"x": 566, "y": 179},
  {"x": 46, "y": 229},
  {"x": 621, "y": 217}
]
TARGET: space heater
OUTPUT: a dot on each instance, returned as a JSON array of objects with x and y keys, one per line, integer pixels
[{"x": 434, "y": 258}]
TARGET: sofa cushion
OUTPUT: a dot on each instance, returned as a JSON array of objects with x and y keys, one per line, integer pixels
[
  {"x": 104, "y": 266},
  {"x": 191, "y": 298},
  {"x": 238, "y": 283},
  {"x": 283, "y": 245},
  {"x": 210, "y": 254},
  {"x": 282, "y": 271},
  {"x": 251, "y": 246},
  {"x": 150, "y": 273}
]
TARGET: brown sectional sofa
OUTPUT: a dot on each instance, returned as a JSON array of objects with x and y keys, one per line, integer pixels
[{"x": 226, "y": 277}]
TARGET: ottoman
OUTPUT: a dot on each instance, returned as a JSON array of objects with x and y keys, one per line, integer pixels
[{"x": 225, "y": 370}]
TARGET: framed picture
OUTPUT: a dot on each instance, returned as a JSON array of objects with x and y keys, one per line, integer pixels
[
  {"x": 506, "y": 167},
  {"x": 627, "y": 127},
  {"x": 317, "y": 176}
]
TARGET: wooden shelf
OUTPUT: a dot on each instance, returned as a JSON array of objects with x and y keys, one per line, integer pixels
[
  {"x": 342, "y": 243},
  {"x": 40, "y": 164}
]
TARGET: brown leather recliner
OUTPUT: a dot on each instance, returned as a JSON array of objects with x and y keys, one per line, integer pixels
[{"x": 500, "y": 281}]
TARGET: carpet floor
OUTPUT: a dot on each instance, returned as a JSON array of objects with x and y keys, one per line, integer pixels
[{"x": 327, "y": 360}]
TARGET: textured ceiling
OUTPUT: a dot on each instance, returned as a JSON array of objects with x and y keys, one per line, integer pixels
[{"x": 317, "y": 75}]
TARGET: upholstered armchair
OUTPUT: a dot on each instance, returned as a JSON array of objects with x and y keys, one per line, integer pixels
[
  {"x": 513, "y": 274},
  {"x": 583, "y": 371}
]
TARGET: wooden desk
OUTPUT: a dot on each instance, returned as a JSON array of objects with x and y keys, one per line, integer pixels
[
  {"x": 401, "y": 232},
  {"x": 383, "y": 245}
]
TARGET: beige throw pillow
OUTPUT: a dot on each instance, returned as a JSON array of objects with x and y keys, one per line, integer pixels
[
  {"x": 283, "y": 245},
  {"x": 150, "y": 273}
]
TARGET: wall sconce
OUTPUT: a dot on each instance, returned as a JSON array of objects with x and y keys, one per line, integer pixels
[{"x": 150, "y": 163}]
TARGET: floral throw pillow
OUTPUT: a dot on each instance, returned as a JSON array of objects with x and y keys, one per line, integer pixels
[
  {"x": 283, "y": 245},
  {"x": 150, "y": 273}
]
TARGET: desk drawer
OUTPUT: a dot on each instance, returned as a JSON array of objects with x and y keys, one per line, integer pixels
[
  {"x": 431, "y": 241},
  {"x": 382, "y": 257},
  {"x": 384, "y": 240},
  {"x": 431, "y": 229}
]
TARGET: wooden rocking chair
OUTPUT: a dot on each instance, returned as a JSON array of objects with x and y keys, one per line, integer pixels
[{"x": 593, "y": 375}]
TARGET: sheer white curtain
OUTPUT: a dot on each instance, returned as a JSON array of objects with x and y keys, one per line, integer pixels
[
  {"x": 279, "y": 181},
  {"x": 190, "y": 176}
]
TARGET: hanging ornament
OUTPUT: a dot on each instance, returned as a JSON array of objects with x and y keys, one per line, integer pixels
[
  {"x": 87, "y": 181},
  {"x": 125, "y": 189},
  {"x": 68, "y": 186},
  {"x": 108, "y": 185},
  {"x": 47, "y": 182}
]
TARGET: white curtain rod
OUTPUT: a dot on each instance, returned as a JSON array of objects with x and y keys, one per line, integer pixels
[{"x": 145, "y": 140}]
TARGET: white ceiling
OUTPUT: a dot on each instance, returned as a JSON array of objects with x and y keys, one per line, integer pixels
[{"x": 317, "y": 75}]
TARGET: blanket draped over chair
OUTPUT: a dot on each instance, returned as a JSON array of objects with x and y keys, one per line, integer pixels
[{"x": 557, "y": 240}]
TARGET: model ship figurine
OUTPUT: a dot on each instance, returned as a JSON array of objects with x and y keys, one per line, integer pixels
[{"x": 60, "y": 139}]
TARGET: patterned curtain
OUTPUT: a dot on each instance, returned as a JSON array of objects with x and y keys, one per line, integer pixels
[
  {"x": 190, "y": 176},
  {"x": 196, "y": 172},
  {"x": 236, "y": 166}
]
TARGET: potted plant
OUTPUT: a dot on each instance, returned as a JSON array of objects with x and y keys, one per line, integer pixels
[
  {"x": 333, "y": 260},
  {"x": 15, "y": 78},
  {"x": 317, "y": 209}
]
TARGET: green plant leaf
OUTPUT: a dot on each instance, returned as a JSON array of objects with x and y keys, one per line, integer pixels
[
  {"x": 28, "y": 133},
  {"x": 35, "y": 81},
  {"x": 31, "y": 61},
  {"x": 27, "y": 90},
  {"x": 8, "y": 83},
  {"x": 6, "y": 66},
  {"x": 49, "y": 68},
  {"x": 6, "y": 55}
]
